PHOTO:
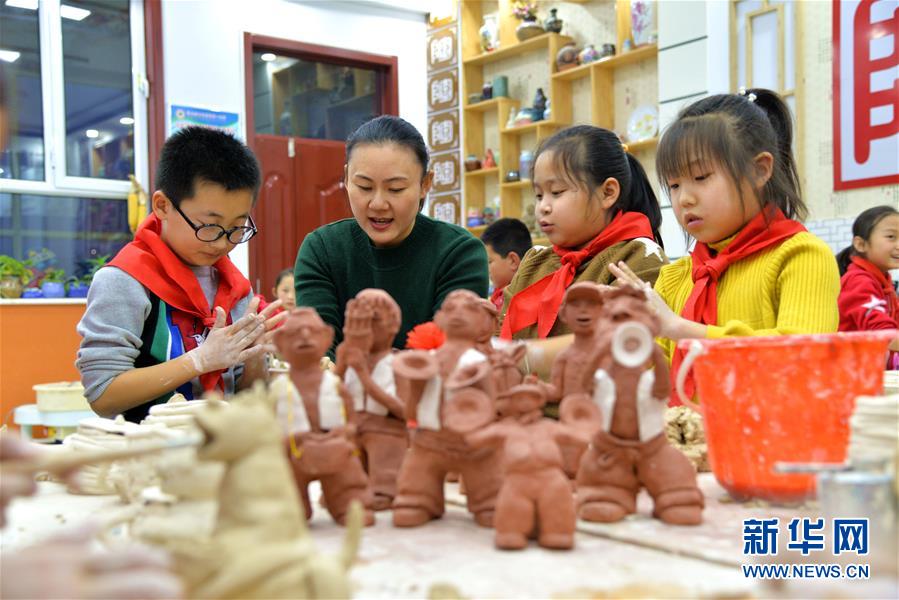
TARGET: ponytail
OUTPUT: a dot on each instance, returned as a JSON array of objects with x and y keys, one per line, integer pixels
[
  {"x": 844, "y": 258},
  {"x": 785, "y": 178},
  {"x": 642, "y": 198}
]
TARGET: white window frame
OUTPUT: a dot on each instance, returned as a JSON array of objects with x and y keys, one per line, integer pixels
[{"x": 56, "y": 181}]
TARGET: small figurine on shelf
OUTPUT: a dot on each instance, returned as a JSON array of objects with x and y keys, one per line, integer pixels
[
  {"x": 474, "y": 218},
  {"x": 474, "y": 98},
  {"x": 588, "y": 55},
  {"x": 539, "y": 104},
  {"x": 472, "y": 163},
  {"x": 547, "y": 114},
  {"x": 513, "y": 176},
  {"x": 487, "y": 91},
  {"x": 607, "y": 51},
  {"x": 489, "y": 33},
  {"x": 489, "y": 160},
  {"x": 489, "y": 215}
]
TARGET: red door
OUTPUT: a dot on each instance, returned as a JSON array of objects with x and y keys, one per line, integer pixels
[{"x": 302, "y": 189}]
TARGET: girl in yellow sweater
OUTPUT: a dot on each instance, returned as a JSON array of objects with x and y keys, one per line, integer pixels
[{"x": 728, "y": 167}]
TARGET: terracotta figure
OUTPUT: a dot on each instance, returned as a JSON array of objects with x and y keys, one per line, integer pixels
[
  {"x": 437, "y": 387},
  {"x": 631, "y": 449},
  {"x": 581, "y": 311},
  {"x": 317, "y": 414},
  {"x": 365, "y": 362},
  {"x": 535, "y": 499}
]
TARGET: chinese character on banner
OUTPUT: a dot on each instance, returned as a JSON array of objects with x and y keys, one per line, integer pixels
[
  {"x": 760, "y": 537},
  {"x": 806, "y": 535},
  {"x": 850, "y": 535},
  {"x": 866, "y": 93}
]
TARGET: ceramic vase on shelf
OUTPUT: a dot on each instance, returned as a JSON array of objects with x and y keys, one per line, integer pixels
[
  {"x": 588, "y": 55},
  {"x": 553, "y": 23},
  {"x": 11, "y": 287},
  {"x": 528, "y": 28},
  {"x": 641, "y": 21},
  {"x": 566, "y": 58},
  {"x": 489, "y": 33}
]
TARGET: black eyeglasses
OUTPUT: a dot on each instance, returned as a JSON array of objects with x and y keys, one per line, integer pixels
[{"x": 211, "y": 233}]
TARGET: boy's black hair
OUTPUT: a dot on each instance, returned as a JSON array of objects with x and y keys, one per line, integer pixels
[
  {"x": 388, "y": 129},
  {"x": 588, "y": 155},
  {"x": 731, "y": 130},
  {"x": 863, "y": 227},
  {"x": 507, "y": 235},
  {"x": 282, "y": 275},
  {"x": 202, "y": 154}
]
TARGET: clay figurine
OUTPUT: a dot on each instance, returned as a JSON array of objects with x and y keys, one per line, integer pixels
[
  {"x": 631, "y": 449},
  {"x": 440, "y": 388},
  {"x": 535, "y": 498},
  {"x": 365, "y": 361},
  {"x": 317, "y": 414},
  {"x": 581, "y": 310}
]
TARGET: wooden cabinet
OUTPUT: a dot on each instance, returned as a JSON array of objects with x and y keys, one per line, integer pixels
[{"x": 486, "y": 120}]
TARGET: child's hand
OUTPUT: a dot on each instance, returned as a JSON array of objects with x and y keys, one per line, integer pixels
[
  {"x": 270, "y": 320},
  {"x": 228, "y": 345},
  {"x": 668, "y": 320},
  {"x": 14, "y": 484}
]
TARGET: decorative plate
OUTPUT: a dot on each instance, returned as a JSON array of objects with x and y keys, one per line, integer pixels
[{"x": 643, "y": 123}]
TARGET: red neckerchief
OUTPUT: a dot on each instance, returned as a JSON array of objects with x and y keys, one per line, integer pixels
[
  {"x": 497, "y": 298},
  {"x": 702, "y": 304},
  {"x": 884, "y": 280},
  {"x": 539, "y": 302},
  {"x": 150, "y": 260}
]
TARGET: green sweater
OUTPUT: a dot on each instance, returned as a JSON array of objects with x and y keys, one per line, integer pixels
[{"x": 338, "y": 260}]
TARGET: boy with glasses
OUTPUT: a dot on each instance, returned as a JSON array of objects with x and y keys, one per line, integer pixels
[{"x": 171, "y": 313}]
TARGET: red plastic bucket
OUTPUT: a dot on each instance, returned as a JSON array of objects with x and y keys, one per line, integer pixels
[{"x": 780, "y": 399}]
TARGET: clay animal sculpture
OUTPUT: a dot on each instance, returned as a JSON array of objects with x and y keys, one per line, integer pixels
[
  {"x": 535, "y": 499},
  {"x": 631, "y": 449},
  {"x": 260, "y": 545},
  {"x": 437, "y": 386},
  {"x": 365, "y": 362},
  {"x": 316, "y": 413},
  {"x": 581, "y": 311}
]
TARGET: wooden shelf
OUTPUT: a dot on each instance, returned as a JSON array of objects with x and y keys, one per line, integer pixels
[
  {"x": 488, "y": 105},
  {"x": 476, "y": 231},
  {"x": 482, "y": 172},
  {"x": 642, "y": 145},
  {"x": 517, "y": 185},
  {"x": 612, "y": 62},
  {"x": 530, "y": 127},
  {"x": 535, "y": 43}
]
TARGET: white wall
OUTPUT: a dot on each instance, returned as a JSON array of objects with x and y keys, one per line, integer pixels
[{"x": 204, "y": 55}]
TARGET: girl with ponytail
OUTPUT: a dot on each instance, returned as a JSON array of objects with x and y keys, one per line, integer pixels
[
  {"x": 596, "y": 205},
  {"x": 727, "y": 165}
]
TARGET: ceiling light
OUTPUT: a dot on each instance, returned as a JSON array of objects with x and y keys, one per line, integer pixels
[
  {"x": 268, "y": 57},
  {"x": 67, "y": 11},
  {"x": 26, "y": 4},
  {"x": 126, "y": 121},
  {"x": 9, "y": 56},
  {"x": 92, "y": 133}
]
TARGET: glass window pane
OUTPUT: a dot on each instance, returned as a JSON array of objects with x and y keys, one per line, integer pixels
[
  {"x": 74, "y": 229},
  {"x": 312, "y": 99},
  {"x": 96, "y": 41},
  {"x": 21, "y": 102}
]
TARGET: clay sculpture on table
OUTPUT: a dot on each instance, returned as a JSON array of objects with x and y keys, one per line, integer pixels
[
  {"x": 438, "y": 387},
  {"x": 581, "y": 311},
  {"x": 631, "y": 449},
  {"x": 260, "y": 546},
  {"x": 365, "y": 361},
  {"x": 535, "y": 499},
  {"x": 316, "y": 413}
]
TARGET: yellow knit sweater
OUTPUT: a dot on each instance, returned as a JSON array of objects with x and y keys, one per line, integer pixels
[{"x": 786, "y": 289}]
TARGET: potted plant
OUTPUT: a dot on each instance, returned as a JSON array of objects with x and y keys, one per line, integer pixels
[
  {"x": 53, "y": 283},
  {"x": 527, "y": 13},
  {"x": 14, "y": 275},
  {"x": 77, "y": 288}
]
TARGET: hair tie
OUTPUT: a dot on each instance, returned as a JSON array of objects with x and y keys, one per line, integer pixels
[{"x": 742, "y": 91}]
